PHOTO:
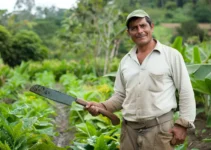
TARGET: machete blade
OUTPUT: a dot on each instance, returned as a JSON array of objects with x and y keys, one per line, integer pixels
[
  {"x": 68, "y": 99},
  {"x": 53, "y": 94}
]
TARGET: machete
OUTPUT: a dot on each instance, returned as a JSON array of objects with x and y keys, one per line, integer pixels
[{"x": 67, "y": 99}]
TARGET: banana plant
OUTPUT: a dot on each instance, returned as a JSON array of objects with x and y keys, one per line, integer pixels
[{"x": 201, "y": 81}]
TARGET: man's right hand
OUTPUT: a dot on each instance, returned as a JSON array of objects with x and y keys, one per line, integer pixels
[{"x": 93, "y": 108}]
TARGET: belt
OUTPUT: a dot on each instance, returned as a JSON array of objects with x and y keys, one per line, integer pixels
[{"x": 150, "y": 123}]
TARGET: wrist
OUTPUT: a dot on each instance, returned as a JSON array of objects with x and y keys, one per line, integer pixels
[
  {"x": 184, "y": 123},
  {"x": 180, "y": 126},
  {"x": 103, "y": 106}
]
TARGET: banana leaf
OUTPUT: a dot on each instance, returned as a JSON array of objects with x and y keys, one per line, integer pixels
[{"x": 200, "y": 77}]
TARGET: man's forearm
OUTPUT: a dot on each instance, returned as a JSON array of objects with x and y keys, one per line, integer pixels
[{"x": 114, "y": 103}]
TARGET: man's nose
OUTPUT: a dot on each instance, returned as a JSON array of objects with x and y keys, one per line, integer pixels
[{"x": 139, "y": 29}]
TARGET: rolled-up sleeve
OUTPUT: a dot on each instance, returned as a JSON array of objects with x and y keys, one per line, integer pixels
[{"x": 114, "y": 103}]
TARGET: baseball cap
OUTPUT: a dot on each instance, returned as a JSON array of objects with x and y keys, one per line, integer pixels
[{"x": 137, "y": 13}]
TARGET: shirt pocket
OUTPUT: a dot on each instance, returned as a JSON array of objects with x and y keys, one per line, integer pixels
[{"x": 155, "y": 82}]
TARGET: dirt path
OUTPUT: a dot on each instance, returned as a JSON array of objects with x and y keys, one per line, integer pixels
[{"x": 62, "y": 123}]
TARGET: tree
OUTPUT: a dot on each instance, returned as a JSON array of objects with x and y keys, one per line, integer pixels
[
  {"x": 94, "y": 30},
  {"x": 5, "y": 42},
  {"x": 48, "y": 22},
  {"x": 202, "y": 13},
  {"x": 25, "y": 5},
  {"x": 26, "y": 45}
]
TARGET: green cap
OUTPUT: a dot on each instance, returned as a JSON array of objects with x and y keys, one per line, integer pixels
[{"x": 137, "y": 13}]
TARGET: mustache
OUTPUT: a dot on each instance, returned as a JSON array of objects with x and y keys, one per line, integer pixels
[{"x": 140, "y": 35}]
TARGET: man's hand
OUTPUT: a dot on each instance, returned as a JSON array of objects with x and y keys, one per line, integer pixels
[
  {"x": 93, "y": 108},
  {"x": 179, "y": 134}
]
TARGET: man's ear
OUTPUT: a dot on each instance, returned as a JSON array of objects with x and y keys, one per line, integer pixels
[{"x": 152, "y": 26}]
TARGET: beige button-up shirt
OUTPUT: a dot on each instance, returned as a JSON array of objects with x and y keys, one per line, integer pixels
[{"x": 147, "y": 90}]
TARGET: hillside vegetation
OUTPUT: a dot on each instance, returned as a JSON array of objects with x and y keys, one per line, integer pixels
[{"x": 77, "y": 51}]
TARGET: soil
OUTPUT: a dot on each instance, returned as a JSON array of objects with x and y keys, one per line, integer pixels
[
  {"x": 195, "y": 137},
  {"x": 65, "y": 134}
]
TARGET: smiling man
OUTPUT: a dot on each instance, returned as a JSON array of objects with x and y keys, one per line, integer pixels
[{"x": 147, "y": 79}]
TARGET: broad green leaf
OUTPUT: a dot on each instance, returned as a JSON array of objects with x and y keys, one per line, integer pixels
[
  {"x": 196, "y": 56},
  {"x": 192, "y": 68},
  {"x": 80, "y": 146},
  {"x": 76, "y": 107},
  {"x": 93, "y": 96},
  {"x": 185, "y": 55},
  {"x": 199, "y": 110},
  {"x": 87, "y": 128},
  {"x": 178, "y": 44},
  {"x": 17, "y": 130},
  {"x": 101, "y": 143},
  {"x": 46, "y": 78},
  {"x": 23, "y": 67},
  {"x": 88, "y": 116},
  {"x": 92, "y": 140},
  {"x": 91, "y": 128},
  {"x": 200, "y": 86},
  {"x": 208, "y": 81},
  {"x": 41, "y": 124},
  {"x": 113, "y": 132},
  {"x": 101, "y": 125},
  {"x": 21, "y": 143},
  {"x": 29, "y": 122},
  {"x": 99, "y": 118},
  {"x": 47, "y": 130},
  {"x": 202, "y": 71},
  {"x": 110, "y": 138}
]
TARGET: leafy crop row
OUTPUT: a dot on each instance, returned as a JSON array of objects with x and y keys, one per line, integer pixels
[{"x": 27, "y": 121}]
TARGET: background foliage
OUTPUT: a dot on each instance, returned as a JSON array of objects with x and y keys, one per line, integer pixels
[{"x": 77, "y": 51}]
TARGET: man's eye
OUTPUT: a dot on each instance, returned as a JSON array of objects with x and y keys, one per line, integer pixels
[
  {"x": 143, "y": 25},
  {"x": 133, "y": 28}
]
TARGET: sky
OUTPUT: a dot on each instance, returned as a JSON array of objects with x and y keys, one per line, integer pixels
[{"x": 9, "y": 4}]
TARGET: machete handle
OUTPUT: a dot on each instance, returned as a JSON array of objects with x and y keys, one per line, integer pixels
[{"x": 114, "y": 119}]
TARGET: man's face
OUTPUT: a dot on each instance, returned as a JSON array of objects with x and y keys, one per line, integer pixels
[{"x": 140, "y": 31}]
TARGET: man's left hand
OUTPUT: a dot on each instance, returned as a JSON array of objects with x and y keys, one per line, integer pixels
[{"x": 179, "y": 134}]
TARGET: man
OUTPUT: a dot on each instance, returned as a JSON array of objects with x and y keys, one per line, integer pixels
[{"x": 145, "y": 87}]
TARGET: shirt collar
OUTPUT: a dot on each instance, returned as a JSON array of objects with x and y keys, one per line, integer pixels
[{"x": 158, "y": 47}]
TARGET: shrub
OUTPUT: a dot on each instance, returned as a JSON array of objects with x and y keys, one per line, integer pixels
[
  {"x": 5, "y": 41},
  {"x": 202, "y": 13},
  {"x": 189, "y": 29},
  {"x": 170, "y": 5},
  {"x": 26, "y": 45}
]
